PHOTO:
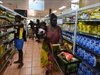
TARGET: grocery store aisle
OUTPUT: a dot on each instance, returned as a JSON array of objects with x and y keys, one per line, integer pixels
[{"x": 31, "y": 61}]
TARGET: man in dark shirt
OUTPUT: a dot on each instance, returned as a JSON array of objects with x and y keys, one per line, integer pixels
[{"x": 20, "y": 37}]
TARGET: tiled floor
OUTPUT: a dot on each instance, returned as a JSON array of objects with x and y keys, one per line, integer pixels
[{"x": 31, "y": 60}]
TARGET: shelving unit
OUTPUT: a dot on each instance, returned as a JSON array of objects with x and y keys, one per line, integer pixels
[
  {"x": 89, "y": 35},
  {"x": 86, "y": 35},
  {"x": 7, "y": 49},
  {"x": 6, "y": 33},
  {"x": 97, "y": 20}
]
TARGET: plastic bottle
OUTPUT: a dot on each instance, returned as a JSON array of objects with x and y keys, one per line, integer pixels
[
  {"x": 84, "y": 42},
  {"x": 93, "y": 45},
  {"x": 85, "y": 56},
  {"x": 92, "y": 60},
  {"x": 97, "y": 48},
  {"x": 78, "y": 51},
  {"x": 80, "y": 72},
  {"x": 83, "y": 53},
  {"x": 89, "y": 72},
  {"x": 88, "y": 42}
]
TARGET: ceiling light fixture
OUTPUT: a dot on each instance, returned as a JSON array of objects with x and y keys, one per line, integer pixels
[
  {"x": 75, "y": 1},
  {"x": 1, "y": 2},
  {"x": 62, "y": 7},
  {"x": 54, "y": 11}
]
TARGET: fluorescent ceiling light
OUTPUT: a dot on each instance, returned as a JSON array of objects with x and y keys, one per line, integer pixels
[
  {"x": 74, "y": 1},
  {"x": 62, "y": 7},
  {"x": 1, "y": 2},
  {"x": 54, "y": 11}
]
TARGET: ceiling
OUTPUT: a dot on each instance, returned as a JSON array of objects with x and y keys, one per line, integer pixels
[{"x": 49, "y": 4}]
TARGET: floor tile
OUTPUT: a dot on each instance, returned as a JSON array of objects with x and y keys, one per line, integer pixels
[
  {"x": 36, "y": 70},
  {"x": 31, "y": 54},
  {"x": 27, "y": 64},
  {"x": 25, "y": 71}
]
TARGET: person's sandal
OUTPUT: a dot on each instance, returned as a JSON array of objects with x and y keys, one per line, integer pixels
[
  {"x": 17, "y": 62},
  {"x": 20, "y": 65}
]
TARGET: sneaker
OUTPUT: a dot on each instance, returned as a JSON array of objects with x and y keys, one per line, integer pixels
[
  {"x": 17, "y": 62},
  {"x": 20, "y": 65}
]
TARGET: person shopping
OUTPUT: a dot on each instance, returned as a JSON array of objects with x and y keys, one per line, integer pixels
[
  {"x": 53, "y": 36},
  {"x": 19, "y": 38}
]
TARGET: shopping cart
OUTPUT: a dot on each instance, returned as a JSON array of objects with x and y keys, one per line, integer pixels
[{"x": 65, "y": 66}]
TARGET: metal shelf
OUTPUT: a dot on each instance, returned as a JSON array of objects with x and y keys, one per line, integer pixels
[
  {"x": 4, "y": 53},
  {"x": 69, "y": 23},
  {"x": 11, "y": 40},
  {"x": 81, "y": 71},
  {"x": 67, "y": 35},
  {"x": 95, "y": 20},
  {"x": 69, "y": 32},
  {"x": 6, "y": 26},
  {"x": 89, "y": 35},
  {"x": 92, "y": 68},
  {"x": 68, "y": 40},
  {"x": 5, "y": 63},
  {"x": 4, "y": 42},
  {"x": 6, "y": 33},
  {"x": 90, "y": 6},
  {"x": 4, "y": 17}
]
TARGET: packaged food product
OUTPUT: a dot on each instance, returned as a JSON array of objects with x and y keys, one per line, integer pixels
[
  {"x": 95, "y": 30},
  {"x": 1, "y": 49},
  {"x": 92, "y": 60},
  {"x": 67, "y": 55},
  {"x": 98, "y": 30}
]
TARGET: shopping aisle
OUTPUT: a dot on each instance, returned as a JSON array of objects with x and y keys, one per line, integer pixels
[{"x": 31, "y": 60}]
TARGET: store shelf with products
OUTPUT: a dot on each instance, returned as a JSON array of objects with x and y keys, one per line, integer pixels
[
  {"x": 69, "y": 23},
  {"x": 68, "y": 41},
  {"x": 87, "y": 35},
  {"x": 88, "y": 50},
  {"x": 6, "y": 62},
  {"x": 87, "y": 70},
  {"x": 68, "y": 35},
  {"x": 6, "y": 33},
  {"x": 8, "y": 26},
  {"x": 89, "y": 63},
  {"x": 94, "y": 20},
  {"x": 88, "y": 45},
  {"x": 7, "y": 48}
]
